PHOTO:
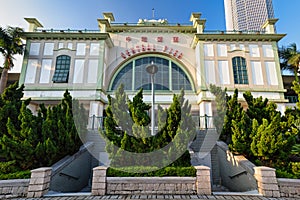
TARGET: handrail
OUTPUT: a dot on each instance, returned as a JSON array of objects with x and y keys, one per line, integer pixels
[{"x": 128, "y": 24}]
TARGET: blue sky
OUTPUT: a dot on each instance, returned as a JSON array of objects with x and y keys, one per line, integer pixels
[{"x": 81, "y": 14}]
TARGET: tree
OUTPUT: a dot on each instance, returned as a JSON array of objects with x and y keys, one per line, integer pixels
[
  {"x": 122, "y": 141},
  {"x": 221, "y": 102},
  {"x": 233, "y": 112},
  {"x": 10, "y": 106},
  {"x": 10, "y": 45},
  {"x": 241, "y": 135},
  {"x": 290, "y": 57},
  {"x": 38, "y": 140}
]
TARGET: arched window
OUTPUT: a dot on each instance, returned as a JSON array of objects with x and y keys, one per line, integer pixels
[
  {"x": 62, "y": 68},
  {"x": 168, "y": 77},
  {"x": 240, "y": 70}
]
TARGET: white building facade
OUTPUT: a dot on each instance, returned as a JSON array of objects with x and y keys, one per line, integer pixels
[
  {"x": 92, "y": 64},
  {"x": 247, "y": 14}
]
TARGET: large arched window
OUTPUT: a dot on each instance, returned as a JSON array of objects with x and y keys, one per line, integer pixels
[
  {"x": 168, "y": 77},
  {"x": 62, "y": 68},
  {"x": 240, "y": 70}
]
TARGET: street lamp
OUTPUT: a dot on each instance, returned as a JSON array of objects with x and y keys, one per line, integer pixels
[{"x": 152, "y": 69}]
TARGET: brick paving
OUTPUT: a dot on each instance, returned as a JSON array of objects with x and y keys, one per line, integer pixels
[{"x": 156, "y": 197}]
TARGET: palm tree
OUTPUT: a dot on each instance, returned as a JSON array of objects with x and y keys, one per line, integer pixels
[
  {"x": 290, "y": 59},
  {"x": 10, "y": 45}
]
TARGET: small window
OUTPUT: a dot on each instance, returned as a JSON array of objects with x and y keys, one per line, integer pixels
[
  {"x": 62, "y": 68},
  {"x": 240, "y": 70}
]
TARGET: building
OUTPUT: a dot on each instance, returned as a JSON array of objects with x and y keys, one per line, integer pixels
[
  {"x": 92, "y": 64},
  {"x": 247, "y": 14}
]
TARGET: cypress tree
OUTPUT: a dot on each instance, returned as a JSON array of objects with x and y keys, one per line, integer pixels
[{"x": 233, "y": 112}]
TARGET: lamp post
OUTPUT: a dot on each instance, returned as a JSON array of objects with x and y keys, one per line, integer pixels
[{"x": 152, "y": 69}]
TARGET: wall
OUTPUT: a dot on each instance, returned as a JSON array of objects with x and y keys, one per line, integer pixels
[
  {"x": 236, "y": 171},
  {"x": 151, "y": 185},
  {"x": 73, "y": 173},
  {"x": 289, "y": 187},
  {"x": 200, "y": 184},
  {"x": 13, "y": 188}
]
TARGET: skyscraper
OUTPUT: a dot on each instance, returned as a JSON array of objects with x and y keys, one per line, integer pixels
[{"x": 247, "y": 14}]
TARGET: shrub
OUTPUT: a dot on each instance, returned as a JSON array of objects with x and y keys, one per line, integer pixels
[
  {"x": 284, "y": 174},
  {"x": 16, "y": 175},
  {"x": 8, "y": 167},
  {"x": 154, "y": 171}
]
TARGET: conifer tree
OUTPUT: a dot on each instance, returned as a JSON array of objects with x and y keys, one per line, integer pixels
[
  {"x": 119, "y": 140},
  {"x": 268, "y": 142},
  {"x": 241, "y": 135},
  {"x": 233, "y": 112},
  {"x": 220, "y": 101},
  {"x": 10, "y": 105},
  {"x": 35, "y": 141}
]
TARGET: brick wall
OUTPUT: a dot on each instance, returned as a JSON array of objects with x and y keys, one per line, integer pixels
[
  {"x": 13, "y": 188},
  {"x": 289, "y": 187},
  {"x": 151, "y": 185},
  {"x": 200, "y": 184}
]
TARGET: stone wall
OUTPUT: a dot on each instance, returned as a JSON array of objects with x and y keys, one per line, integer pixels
[
  {"x": 13, "y": 188},
  {"x": 200, "y": 184},
  {"x": 289, "y": 187},
  {"x": 151, "y": 185},
  {"x": 39, "y": 182}
]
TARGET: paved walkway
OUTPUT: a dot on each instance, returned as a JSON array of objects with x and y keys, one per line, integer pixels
[{"x": 157, "y": 197}]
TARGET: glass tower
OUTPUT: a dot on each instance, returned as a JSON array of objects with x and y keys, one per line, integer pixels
[{"x": 247, "y": 14}]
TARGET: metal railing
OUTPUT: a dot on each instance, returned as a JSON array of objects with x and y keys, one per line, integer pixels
[
  {"x": 201, "y": 122},
  {"x": 96, "y": 123},
  {"x": 98, "y": 31},
  {"x": 292, "y": 99}
]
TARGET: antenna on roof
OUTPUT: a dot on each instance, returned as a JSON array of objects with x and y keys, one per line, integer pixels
[{"x": 153, "y": 10}]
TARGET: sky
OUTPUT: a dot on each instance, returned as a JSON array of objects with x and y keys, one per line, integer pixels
[{"x": 83, "y": 14}]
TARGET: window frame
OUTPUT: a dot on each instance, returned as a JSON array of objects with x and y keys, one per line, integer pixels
[
  {"x": 239, "y": 68},
  {"x": 167, "y": 67},
  {"x": 62, "y": 69}
]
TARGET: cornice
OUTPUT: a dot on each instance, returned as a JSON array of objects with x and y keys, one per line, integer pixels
[
  {"x": 65, "y": 35},
  {"x": 150, "y": 28}
]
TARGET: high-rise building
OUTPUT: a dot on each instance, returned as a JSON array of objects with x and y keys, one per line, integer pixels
[{"x": 247, "y": 14}]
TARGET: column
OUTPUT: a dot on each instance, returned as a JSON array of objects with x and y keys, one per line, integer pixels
[
  {"x": 266, "y": 181},
  {"x": 203, "y": 183},
  {"x": 39, "y": 182},
  {"x": 99, "y": 181}
]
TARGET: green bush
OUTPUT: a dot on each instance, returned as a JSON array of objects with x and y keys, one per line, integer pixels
[
  {"x": 8, "y": 167},
  {"x": 284, "y": 174},
  {"x": 16, "y": 175},
  {"x": 154, "y": 171}
]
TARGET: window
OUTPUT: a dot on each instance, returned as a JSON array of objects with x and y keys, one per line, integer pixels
[
  {"x": 94, "y": 49},
  {"x": 168, "y": 77},
  {"x": 34, "y": 49},
  {"x": 254, "y": 50},
  {"x": 48, "y": 49},
  {"x": 239, "y": 70},
  {"x": 31, "y": 71},
  {"x": 80, "y": 50},
  {"x": 46, "y": 69},
  {"x": 61, "y": 74}
]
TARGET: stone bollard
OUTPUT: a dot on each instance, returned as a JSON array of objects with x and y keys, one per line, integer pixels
[
  {"x": 266, "y": 181},
  {"x": 39, "y": 182},
  {"x": 99, "y": 181},
  {"x": 203, "y": 183}
]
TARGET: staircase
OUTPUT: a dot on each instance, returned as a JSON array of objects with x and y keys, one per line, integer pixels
[
  {"x": 98, "y": 150},
  {"x": 204, "y": 152}
]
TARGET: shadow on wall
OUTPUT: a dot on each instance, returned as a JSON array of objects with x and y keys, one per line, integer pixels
[{"x": 237, "y": 173}]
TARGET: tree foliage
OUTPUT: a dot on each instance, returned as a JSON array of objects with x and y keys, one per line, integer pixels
[
  {"x": 127, "y": 130},
  {"x": 290, "y": 59},
  {"x": 260, "y": 132},
  {"x": 10, "y": 45},
  {"x": 37, "y": 140}
]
